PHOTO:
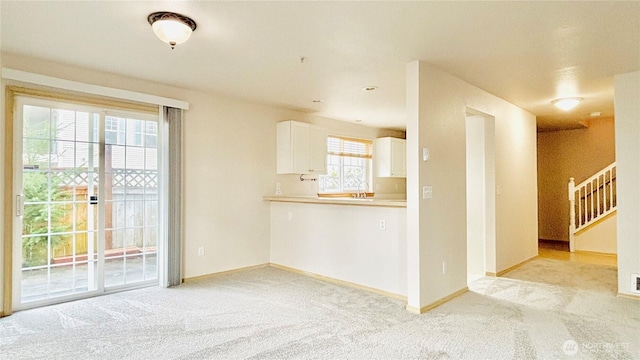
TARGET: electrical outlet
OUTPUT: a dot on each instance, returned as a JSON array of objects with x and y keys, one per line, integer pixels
[
  {"x": 444, "y": 267},
  {"x": 383, "y": 225},
  {"x": 201, "y": 251}
]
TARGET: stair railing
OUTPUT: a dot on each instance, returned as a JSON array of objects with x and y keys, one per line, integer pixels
[{"x": 591, "y": 200}]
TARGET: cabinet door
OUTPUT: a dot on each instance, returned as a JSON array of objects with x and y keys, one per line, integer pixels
[
  {"x": 300, "y": 147},
  {"x": 318, "y": 150},
  {"x": 398, "y": 158}
]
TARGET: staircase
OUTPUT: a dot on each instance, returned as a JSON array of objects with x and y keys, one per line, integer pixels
[{"x": 591, "y": 201}]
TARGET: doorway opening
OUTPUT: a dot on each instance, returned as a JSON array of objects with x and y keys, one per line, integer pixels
[
  {"x": 577, "y": 189},
  {"x": 481, "y": 194}
]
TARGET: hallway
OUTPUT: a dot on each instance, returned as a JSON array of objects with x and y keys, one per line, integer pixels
[{"x": 579, "y": 256}]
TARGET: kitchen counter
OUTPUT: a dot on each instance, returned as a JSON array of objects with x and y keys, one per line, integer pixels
[
  {"x": 382, "y": 202},
  {"x": 363, "y": 244}
]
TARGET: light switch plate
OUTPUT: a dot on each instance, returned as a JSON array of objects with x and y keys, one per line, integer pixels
[
  {"x": 427, "y": 192},
  {"x": 425, "y": 154}
]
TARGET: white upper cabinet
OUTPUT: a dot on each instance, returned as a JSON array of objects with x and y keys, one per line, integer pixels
[
  {"x": 390, "y": 157},
  {"x": 318, "y": 156},
  {"x": 302, "y": 148}
]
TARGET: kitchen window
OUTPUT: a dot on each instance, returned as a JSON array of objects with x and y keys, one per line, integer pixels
[{"x": 348, "y": 166}]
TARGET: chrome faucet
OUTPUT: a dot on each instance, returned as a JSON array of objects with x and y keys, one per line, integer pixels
[{"x": 362, "y": 194}]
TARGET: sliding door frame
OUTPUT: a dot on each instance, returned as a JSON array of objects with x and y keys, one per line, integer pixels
[
  {"x": 90, "y": 98},
  {"x": 9, "y": 205}
]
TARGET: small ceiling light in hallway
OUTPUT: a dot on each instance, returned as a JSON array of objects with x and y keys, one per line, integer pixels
[
  {"x": 171, "y": 28},
  {"x": 567, "y": 104}
]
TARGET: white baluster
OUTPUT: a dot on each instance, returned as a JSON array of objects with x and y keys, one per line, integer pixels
[
  {"x": 572, "y": 214},
  {"x": 610, "y": 188},
  {"x": 605, "y": 192},
  {"x": 598, "y": 197}
]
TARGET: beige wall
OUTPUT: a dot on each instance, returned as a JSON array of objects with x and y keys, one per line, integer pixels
[
  {"x": 437, "y": 103},
  {"x": 1, "y": 190},
  {"x": 229, "y": 165},
  {"x": 600, "y": 238},
  {"x": 564, "y": 154},
  {"x": 627, "y": 107}
]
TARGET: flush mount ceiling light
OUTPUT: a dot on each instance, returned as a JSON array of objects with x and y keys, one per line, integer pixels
[
  {"x": 566, "y": 104},
  {"x": 171, "y": 28}
]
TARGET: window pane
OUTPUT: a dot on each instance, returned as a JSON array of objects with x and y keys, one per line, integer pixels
[
  {"x": 64, "y": 124},
  {"x": 114, "y": 130},
  {"x": 346, "y": 173},
  {"x": 136, "y": 125},
  {"x": 353, "y": 178},
  {"x": 36, "y": 122},
  {"x": 151, "y": 134}
]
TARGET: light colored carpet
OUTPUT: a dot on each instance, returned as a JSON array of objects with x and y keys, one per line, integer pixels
[{"x": 547, "y": 309}]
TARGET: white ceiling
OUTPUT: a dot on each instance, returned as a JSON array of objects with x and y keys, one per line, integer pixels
[{"x": 528, "y": 53}]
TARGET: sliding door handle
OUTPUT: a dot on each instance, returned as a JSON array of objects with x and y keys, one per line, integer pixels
[{"x": 19, "y": 205}]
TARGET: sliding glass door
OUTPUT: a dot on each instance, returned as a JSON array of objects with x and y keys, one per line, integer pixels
[
  {"x": 87, "y": 201},
  {"x": 131, "y": 200}
]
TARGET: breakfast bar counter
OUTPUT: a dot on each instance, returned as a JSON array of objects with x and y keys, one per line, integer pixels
[{"x": 382, "y": 202}]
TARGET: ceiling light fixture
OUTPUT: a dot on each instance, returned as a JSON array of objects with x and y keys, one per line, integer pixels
[
  {"x": 171, "y": 28},
  {"x": 370, "y": 88},
  {"x": 567, "y": 104}
]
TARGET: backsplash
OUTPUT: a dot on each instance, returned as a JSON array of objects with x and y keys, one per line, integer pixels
[{"x": 290, "y": 184}]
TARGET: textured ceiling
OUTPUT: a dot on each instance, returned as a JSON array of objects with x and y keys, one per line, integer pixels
[{"x": 528, "y": 53}]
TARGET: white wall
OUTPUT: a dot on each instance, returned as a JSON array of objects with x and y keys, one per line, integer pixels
[
  {"x": 627, "y": 125},
  {"x": 229, "y": 164},
  {"x": 342, "y": 242},
  {"x": 2, "y": 144},
  {"x": 480, "y": 210},
  {"x": 516, "y": 184},
  {"x": 601, "y": 237},
  {"x": 436, "y": 108}
]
